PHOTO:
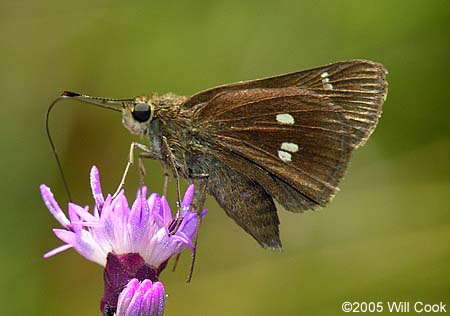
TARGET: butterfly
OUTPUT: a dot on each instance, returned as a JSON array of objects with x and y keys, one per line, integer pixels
[{"x": 287, "y": 138}]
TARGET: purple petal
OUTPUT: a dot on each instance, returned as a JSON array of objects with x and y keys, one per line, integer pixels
[
  {"x": 142, "y": 191},
  {"x": 106, "y": 207},
  {"x": 154, "y": 202},
  {"x": 158, "y": 299},
  {"x": 53, "y": 206},
  {"x": 146, "y": 285},
  {"x": 71, "y": 208},
  {"x": 138, "y": 301},
  {"x": 147, "y": 304},
  {"x": 57, "y": 250},
  {"x": 144, "y": 209},
  {"x": 154, "y": 301},
  {"x": 96, "y": 188},
  {"x": 152, "y": 199},
  {"x": 165, "y": 211},
  {"x": 83, "y": 243},
  {"x": 134, "y": 309},
  {"x": 187, "y": 199},
  {"x": 157, "y": 212},
  {"x": 126, "y": 297},
  {"x": 183, "y": 239},
  {"x": 68, "y": 237},
  {"x": 119, "y": 205},
  {"x": 136, "y": 212},
  {"x": 189, "y": 225},
  {"x": 80, "y": 218},
  {"x": 80, "y": 213},
  {"x": 138, "y": 220}
]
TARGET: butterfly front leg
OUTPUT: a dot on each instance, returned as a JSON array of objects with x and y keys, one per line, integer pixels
[{"x": 145, "y": 152}]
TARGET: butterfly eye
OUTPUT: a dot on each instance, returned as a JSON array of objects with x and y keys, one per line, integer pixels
[{"x": 141, "y": 112}]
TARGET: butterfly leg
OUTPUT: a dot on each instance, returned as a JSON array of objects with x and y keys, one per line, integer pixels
[
  {"x": 200, "y": 181},
  {"x": 166, "y": 179},
  {"x": 171, "y": 161},
  {"x": 145, "y": 151}
]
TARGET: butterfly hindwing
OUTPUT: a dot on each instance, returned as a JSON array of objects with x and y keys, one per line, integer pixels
[{"x": 243, "y": 199}]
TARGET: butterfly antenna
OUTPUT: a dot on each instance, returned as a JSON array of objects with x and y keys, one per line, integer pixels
[
  {"x": 52, "y": 144},
  {"x": 97, "y": 101}
]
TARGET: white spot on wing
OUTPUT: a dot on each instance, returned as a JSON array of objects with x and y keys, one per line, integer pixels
[
  {"x": 293, "y": 148},
  {"x": 328, "y": 86},
  {"x": 285, "y": 156},
  {"x": 285, "y": 118},
  {"x": 325, "y": 80}
]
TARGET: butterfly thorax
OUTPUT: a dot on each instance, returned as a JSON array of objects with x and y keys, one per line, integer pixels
[{"x": 168, "y": 128}]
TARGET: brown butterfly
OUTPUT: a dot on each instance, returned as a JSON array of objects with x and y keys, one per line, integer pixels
[{"x": 286, "y": 138}]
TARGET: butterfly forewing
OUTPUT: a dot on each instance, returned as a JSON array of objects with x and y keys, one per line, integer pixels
[
  {"x": 294, "y": 133},
  {"x": 359, "y": 86},
  {"x": 302, "y": 144}
]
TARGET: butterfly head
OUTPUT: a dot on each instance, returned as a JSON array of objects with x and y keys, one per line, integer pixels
[{"x": 137, "y": 115}]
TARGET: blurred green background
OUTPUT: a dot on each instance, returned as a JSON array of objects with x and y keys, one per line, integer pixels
[{"x": 386, "y": 235}]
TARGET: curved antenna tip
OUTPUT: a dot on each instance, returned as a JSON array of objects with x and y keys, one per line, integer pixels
[{"x": 69, "y": 94}]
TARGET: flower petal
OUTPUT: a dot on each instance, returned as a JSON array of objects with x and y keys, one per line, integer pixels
[
  {"x": 142, "y": 191},
  {"x": 84, "y": 244},
  {"x": 96, "y": 188},
  {"x": 57, "y": 250},
  {"x": 165, "y": 211},
  {"x": 158, "y": 299},
  {"x": 126, "y": 297},
  {"x": 53, "y": 206},
  {"x": 187, "y": 199}
]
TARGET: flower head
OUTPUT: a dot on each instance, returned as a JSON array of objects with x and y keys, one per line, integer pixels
[
  {"x": 141, "y": 299},
  {"x": 133, "y": 243},
  {"x": 146, "y": 228}
]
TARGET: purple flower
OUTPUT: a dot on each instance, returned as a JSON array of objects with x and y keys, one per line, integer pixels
[
  {"x": 147, "y": 228},
  {"x": 132, "y": 243},
  {"x": 141, "y": 299}
]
